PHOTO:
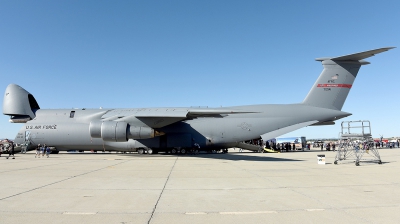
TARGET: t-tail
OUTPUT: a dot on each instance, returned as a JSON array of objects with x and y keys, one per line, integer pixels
[{"x": 334, "y": 84}]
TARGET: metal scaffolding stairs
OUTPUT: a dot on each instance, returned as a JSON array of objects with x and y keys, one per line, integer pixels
[{"x": 356, "y": 141}]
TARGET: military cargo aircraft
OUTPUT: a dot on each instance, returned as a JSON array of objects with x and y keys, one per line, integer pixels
[{"x": 177, "y": 130}]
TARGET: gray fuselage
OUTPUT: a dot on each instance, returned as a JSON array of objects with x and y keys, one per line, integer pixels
[{"x": 56, "y": 127}]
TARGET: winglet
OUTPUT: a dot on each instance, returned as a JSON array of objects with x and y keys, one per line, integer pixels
[{"x": 357, "y": 56}]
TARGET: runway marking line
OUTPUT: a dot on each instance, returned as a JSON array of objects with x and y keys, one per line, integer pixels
[
  {"x": 79, "y": 213},
  {"x": 315, "y": 209},
  {"x": 195, "y": 213},
  {"x": 248, "y": 213}
]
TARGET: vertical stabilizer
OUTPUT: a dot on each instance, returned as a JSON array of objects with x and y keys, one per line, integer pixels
[{"x": 334, "y": 84}]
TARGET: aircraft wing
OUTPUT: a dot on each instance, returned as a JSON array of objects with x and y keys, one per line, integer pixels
[
  {"x": 215, "y": 112},
  {"x": 158, "y": 118},
  {"x": 281, "y": 131}
]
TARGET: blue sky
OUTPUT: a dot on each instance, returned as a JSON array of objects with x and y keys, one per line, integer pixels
[{"x": 129, "y": 54}]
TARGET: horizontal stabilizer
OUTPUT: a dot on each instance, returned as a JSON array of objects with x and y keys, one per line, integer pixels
[{"x": 357, "y": 56}]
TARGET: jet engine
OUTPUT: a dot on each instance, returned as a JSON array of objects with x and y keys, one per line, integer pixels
[{"x": 119, "y": 131}]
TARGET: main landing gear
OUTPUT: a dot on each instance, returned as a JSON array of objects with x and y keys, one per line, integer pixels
[{"x": 148, "y": 151}]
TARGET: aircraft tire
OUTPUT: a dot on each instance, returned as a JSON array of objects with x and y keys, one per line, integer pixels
[
  {"x": 140, "y": 151},
  {"x": 150, "y": 151},
  {"x": 183, "y": 151},
  {"x": 174, "y": 151}
]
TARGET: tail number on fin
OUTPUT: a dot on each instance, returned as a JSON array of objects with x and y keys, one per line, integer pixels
[{"x": 334, "y": 85}]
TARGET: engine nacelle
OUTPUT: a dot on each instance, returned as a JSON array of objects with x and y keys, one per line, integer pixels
[
  {"x": 141, "y": 132},
  {"x": 119, "y": 131},
  {"x": 95, "y": 129},
  {"x": 114, "y": 131}
]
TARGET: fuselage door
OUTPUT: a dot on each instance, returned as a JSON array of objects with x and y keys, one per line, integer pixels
[{"x": 27, "y": 136}]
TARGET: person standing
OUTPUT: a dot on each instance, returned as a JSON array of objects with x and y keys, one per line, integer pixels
[
  {"x": 37, "y": 151},
  {"x": 267, "y": 145},
  {"x": 42, "y": 150},
  {"x": 11, "y": 151},
  {"x": 48, "y": 151}
]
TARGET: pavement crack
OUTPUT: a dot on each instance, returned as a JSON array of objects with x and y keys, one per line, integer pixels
[
  {"x": 162, "y": 191},
  {"x": 60, "y": 181},
  {"x": 34, "y": 167}
]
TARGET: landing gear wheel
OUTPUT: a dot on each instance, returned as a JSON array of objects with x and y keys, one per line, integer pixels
[
  {"x": 174, "y": 151},
  {"x": 380, "y": 162},
  {"x": 357, "y": 163},
  {"x": 335, "y": 162},
  {"x": 196, "y": 151},
  {"x": 183, "y": 151},
  {"x": 140, "y": 151},
  {"x": 150, "y": 151}
]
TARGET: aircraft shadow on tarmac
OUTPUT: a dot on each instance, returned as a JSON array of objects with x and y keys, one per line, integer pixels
[{"x": 228, "y": 156}]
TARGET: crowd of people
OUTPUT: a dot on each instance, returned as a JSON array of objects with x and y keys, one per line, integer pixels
[
  {"x": 377, "y": 144},
  {"x": 383, "y": 144},
  {"x": 41, "y": 150},
  {"x": 284, "y": 146},
  {"x": 7, "y": 146}
]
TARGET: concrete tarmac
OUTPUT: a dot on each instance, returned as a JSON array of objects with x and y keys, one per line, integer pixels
[{"x": 208, "y": 188}]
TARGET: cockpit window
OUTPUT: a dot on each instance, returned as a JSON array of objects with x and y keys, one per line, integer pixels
[{"x": 72, "y": 114}]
